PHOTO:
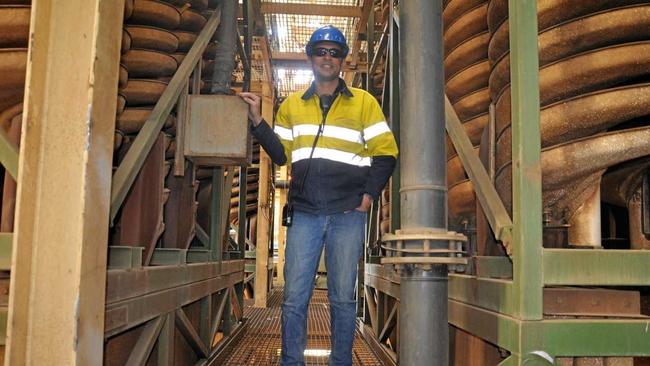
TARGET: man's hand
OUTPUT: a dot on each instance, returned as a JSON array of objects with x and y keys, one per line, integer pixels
[
  {"x": 254, "y": 104},
  {"x": 365, "y": 203}
]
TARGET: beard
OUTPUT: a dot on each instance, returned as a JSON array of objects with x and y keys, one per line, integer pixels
[{"x": 319, "y": 76}]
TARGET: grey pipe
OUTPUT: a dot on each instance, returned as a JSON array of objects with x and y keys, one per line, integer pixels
[
  {"x": 424, "y": 335},
  {"x": 424, "y": 331},
  {"x": 422, "y": 117},
  {"x": 224, "y": 61}
]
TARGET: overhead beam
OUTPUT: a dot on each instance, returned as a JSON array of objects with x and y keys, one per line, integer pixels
[
  {"x": 58, "y": 273},
  {"x": 309, "y": 9}
]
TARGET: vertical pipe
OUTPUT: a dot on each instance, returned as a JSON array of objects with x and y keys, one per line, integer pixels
[
  {"x": 224, "y": 62},
  {"x": 394, "y": 119},
  {"x": 422, "y": 116},
  {"x": 424, "y": 334},
  {"x": 248, "y": 42}
]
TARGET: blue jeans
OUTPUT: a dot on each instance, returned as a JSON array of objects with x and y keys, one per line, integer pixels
[{"x": 342, "y": 234}]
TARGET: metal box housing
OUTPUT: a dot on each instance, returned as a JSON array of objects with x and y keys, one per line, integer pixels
[{"x": 216, "y": 131}]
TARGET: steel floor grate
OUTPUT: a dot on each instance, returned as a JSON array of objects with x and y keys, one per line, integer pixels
[{"x": 261, "y": 343}]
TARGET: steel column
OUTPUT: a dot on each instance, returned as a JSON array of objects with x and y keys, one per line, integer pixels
[
  {"x": 423, "y": 327},
  {"x": 526, "y": 167}
]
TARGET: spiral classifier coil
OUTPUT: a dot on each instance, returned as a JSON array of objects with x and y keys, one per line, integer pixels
[{"x": 594, "y": 59}]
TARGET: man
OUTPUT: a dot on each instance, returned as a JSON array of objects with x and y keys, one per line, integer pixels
[{"x": 342, "y": 154}]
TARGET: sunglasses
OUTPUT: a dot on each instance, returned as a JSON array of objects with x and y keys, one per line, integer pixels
[{"x": 334, "y": 52}]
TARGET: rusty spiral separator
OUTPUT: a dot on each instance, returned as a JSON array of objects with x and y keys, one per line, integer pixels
[{"x": 424, "y": 255}]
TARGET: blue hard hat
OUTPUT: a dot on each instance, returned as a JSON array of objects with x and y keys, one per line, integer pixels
[{"x": 328, "y": 33}]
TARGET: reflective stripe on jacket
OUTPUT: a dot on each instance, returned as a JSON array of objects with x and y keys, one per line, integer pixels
[{"x": 355, "y": 153}]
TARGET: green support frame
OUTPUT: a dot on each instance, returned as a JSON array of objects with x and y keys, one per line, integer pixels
[
  {"x": 508, "y": 313},
  {"x": 502, "y": 302}
]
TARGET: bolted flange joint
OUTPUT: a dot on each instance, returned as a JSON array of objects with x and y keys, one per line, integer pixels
[{"x": 424, "y": 248}]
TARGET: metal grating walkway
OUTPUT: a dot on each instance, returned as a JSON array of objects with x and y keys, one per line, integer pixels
[{"x": 260, "y": 345}]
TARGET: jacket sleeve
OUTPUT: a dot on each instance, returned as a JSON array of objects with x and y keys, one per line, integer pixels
[
  {"x": 278, "y": 144},
  {"x": 381, "y": 147}
]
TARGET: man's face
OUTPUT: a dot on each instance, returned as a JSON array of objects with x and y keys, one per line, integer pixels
[{"x": 324, "y": 65}]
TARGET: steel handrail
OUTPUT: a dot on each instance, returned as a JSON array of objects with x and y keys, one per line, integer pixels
[{"x": 132, "y": 163}]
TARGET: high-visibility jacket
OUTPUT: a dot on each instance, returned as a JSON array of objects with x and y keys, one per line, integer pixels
[{"x": 355, "y": 154}]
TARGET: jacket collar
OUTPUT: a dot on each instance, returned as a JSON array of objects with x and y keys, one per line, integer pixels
[{"x": 342, "y": 88}]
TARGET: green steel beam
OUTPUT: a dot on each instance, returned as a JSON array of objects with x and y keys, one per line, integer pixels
[
  {"x": 198, "y": 255},
  {"x": 124, "y": 257},
  {"x": 586, "y": 267},
  {"x": 249, "y": 268},
  {"x": 6, "y": 240},
  {"x": 168, "y": 257},
  {"x": 596, "y": 338},
  {"x": 126, "y": 314},
  {"x": 166, "y": 341},
  {"x": 493, "y": 267},
  {"x": 146, "y": 341},
  {"x": 490, "y": 294},
  {"x": 122, "y": 284},
  {"x": 202, "y": 236},
  {"x": 205, "y": 321},
  {"x": 383, "y": 285},
  {"x": 556, "y": 337},
  {"x": 501, "y": 330},
  {"x": 132, "y": 163},
  {"x": 216, "y": 210},
  {"x": 495, "y": 211},
  {"x": 8, "y": 154},
  {"x": 526, "y": 167}
]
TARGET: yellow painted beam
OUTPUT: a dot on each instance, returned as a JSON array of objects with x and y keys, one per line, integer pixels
[
  {"x": 264, "y": 210},
  {"x": 58, "y": 273}
]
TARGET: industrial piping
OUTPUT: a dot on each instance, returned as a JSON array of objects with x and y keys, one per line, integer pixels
[
  {"x": 224, "y": 61},
  {"x": 424, "y": 338}
]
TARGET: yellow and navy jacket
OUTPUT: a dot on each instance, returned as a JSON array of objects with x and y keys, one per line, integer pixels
[{"x": 355, "y": 154}]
